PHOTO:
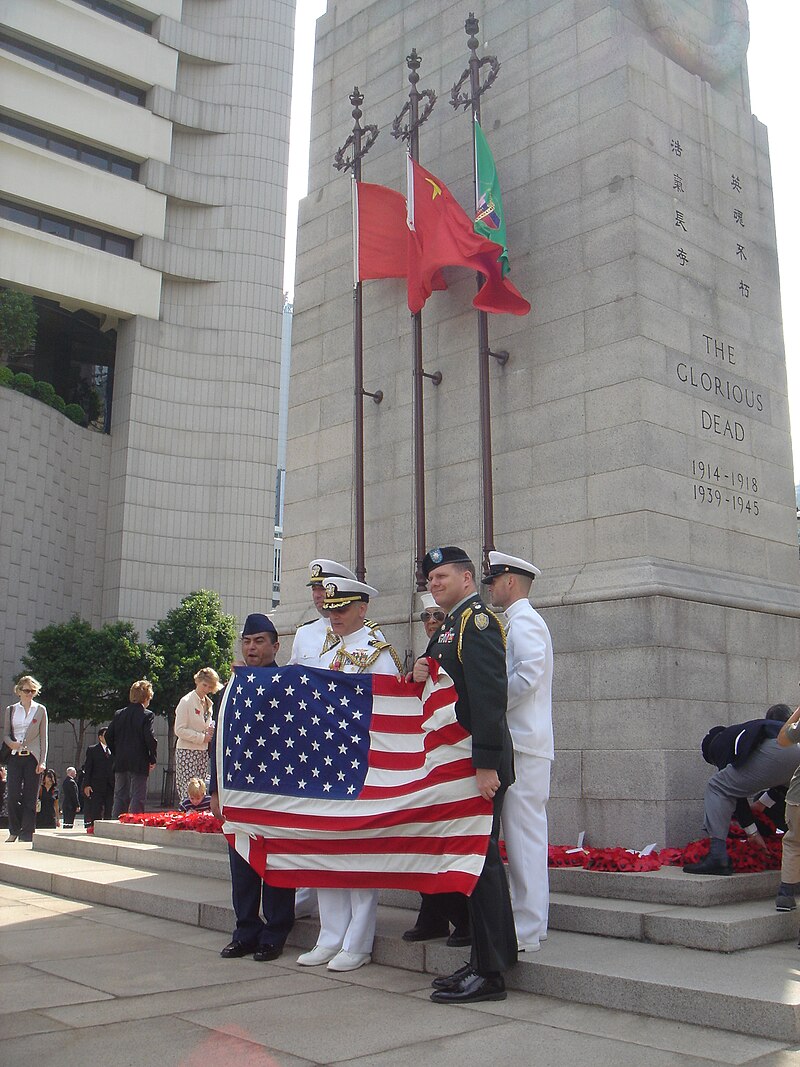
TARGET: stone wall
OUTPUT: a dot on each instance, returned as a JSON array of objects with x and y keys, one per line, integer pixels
[{"x": 54, "y": 492}]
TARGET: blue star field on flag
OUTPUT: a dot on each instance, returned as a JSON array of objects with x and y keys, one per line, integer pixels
[{"x": 295, "y": 731}]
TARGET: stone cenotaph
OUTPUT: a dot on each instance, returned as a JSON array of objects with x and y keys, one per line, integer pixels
[{"x": 641, "y": 447}]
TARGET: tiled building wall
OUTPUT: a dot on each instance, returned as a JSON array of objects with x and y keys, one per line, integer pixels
[
  {"x": 54, "y": 488},
  {"x": 196, "y": 393}
]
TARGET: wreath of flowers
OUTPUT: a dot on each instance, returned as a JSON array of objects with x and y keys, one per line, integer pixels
[
  {"x": 745, "y": 856},
  {"x": 202, "y": 822}
]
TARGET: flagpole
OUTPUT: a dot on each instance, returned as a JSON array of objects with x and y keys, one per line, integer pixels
[
  {"x": 484, "y": 352},
  {"x": 410, "y": 133},
  {"x": 360, "y": 146}
]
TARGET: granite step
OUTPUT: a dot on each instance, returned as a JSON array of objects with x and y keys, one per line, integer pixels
[
  {"x": 752, "y": 991},
  {"x": 726, "y": 927}
]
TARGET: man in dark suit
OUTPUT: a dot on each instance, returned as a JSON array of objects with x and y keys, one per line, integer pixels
[
  {"x": 470, "y": 646},
  {"x": 264, "y": 939},
  {"x": 132, "y": 740},
  {"x": 98, "y": 782},
  {"x": 69, "y": 798}
]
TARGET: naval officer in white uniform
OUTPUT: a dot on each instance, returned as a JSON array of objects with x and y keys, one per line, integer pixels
[
  {"x": 347, "y": 916},
  {"x": 529, "y": 661},
  {"x": 311, "y": 637}
]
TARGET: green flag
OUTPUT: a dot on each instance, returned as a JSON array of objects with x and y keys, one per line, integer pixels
[{"x": 489, "y": 221}]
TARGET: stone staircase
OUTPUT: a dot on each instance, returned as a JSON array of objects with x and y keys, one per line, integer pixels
[{"x": 710, "y": 951}]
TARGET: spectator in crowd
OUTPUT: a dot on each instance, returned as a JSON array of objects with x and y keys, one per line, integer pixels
[
  {"x": 70, "y": 799},
  {"x": 194, "y": 728},
  {"x": 196, "y": 799},
  {"x": 98, "y": 782},
  {"x": 25, "y": 733},
  {"x": 3, "y": 796},
  {"x": 132, "y": 740},
  {"x": 47, "y": 813}
]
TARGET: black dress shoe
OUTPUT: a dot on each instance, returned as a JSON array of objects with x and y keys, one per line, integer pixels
[
  {"x": 707, "y": 865},
  {"x": 426, "y": 933},
  {"x": 453, "y": 979},
  {"x": 236, "y": 949},
  {"x": 471, "y": 989},
  {"x": 264, "y": 953},
  {"x": 459, "y": 939}
]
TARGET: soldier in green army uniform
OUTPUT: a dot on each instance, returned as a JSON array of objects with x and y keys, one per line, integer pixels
[{"x": 470, "y": 646}]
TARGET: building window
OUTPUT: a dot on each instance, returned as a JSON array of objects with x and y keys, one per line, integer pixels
[
  {"x": 85, "y": 75},
  {"x": 66, "y": 228},
  {"x": 118, "y": 14},
  {"x": 64, "y": 146}
]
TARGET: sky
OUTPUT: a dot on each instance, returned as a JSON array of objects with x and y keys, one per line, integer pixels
[{"x": 774, "y": 32}]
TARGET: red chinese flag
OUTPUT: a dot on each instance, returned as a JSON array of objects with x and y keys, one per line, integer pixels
[
  {"x": 442, "y": 235},
  {"x": 380, "y": 232}
]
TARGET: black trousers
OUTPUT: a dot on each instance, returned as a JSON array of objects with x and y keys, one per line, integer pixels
[
  {"x": 494, "y": 936},
  {"x": 252, "y": 895},
  {"x": 99, "y": 805},
  {"x": 440, "y": 909},
  {"x": 23, "y": 792}
]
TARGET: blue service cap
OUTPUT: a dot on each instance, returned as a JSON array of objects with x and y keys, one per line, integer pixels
[{"x": 258, "y": 623}]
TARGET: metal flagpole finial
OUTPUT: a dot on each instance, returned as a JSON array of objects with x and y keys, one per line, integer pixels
[
  {"x": 470, "y": 98},
  {"x": 411, "y": 107},
  {"x": 360, "y": 140}
]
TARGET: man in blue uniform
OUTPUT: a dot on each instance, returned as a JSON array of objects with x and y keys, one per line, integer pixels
[
  {"x": 250, "y": 894},
  {"x": 470, "y": 646}
]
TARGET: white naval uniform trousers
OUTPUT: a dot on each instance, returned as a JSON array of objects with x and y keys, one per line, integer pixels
[
  {"x": 347, "y": 916},
  {"x": 529, "y": 661},
  {"x": 307, "y": 649}
]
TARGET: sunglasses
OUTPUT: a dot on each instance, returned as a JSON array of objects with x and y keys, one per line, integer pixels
[
  {"x": 426, "y": 616},
  {"x": 27, "y": 691}
]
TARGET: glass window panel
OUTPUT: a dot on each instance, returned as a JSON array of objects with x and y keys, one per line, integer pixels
[{"x": 16, "y": 213}]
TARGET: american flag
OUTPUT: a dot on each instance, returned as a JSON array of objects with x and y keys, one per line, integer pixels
[{"x": 350, "y": 780}]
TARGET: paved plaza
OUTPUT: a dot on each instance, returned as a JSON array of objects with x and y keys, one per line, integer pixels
[{"x": 86, "y": 984}]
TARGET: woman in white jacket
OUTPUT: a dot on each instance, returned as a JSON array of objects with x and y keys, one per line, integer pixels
[
  {"x": 194, "y": 729},
  {"x": 25, "y": 733}
]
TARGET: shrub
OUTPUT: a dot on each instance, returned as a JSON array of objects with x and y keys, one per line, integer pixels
[
  {"x": 94, "y": 405},
  {"x": 76, "y": 413},
  {"x": 17, "y": 321},
  {"x": 23, "y": 383},
  {"x": 6, "y": 376},
  {"x": 45, "y": 392},
  {"x": 60, "y": 404}
]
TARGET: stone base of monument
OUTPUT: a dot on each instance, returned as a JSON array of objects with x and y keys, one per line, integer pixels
[{"x": 709, "y": 951}]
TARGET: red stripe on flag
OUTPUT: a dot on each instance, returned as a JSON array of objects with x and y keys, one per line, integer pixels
[
  {"x": 440, "y": 698},
  {"x": 447, "y": 735},
  {"x": 390, "y": 685},
  {"x": 396, "y": 761},
  {"x": 457, "y": 809},
  {"x": 396, "y": 724},
  {"x": 474, "y": 845},
  {"x": 448, "y": 772}
]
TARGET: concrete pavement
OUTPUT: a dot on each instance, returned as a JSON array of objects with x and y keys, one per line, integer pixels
[{"x": 84, "y": 984}]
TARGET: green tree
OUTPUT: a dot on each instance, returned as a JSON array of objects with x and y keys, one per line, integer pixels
[
  {"x": 86, "y": 673},
  {"x": 195, "y": 634},
  {"x": 17, "y": 322}
]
